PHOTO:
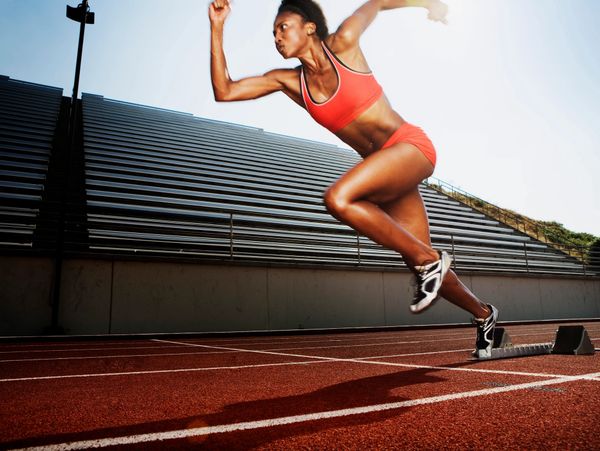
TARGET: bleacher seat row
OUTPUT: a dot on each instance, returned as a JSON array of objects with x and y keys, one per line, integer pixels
[{"x": 168, "y": 184}]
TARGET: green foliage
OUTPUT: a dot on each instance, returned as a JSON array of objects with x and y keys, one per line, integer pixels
[
  {"x": 478, "y": 203},
  {"x": 557, "y": 233}
]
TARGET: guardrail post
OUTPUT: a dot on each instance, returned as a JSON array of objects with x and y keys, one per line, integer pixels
[
  {"x": 453, "y": 252},
  {"x": 583, "y": 260},
  {"x": 358, "y": 246},
  {"x": 526, "y": 258},
  {"x": 231, "y": 235}
]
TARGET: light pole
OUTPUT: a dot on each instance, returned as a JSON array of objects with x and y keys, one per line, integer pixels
[{"x": 82, "y": 15}]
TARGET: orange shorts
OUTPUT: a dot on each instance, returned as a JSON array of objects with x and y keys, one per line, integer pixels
[{"x": 408, "y": 133}]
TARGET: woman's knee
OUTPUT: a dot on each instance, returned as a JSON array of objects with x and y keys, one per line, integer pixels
[{"x": 336, "y": 201}]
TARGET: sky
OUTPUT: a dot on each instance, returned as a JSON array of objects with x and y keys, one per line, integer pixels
[{"x": 509, "y": 90}]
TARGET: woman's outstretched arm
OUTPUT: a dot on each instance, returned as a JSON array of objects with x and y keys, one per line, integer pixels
[
  {"x": 225, "y": 89},
  {"x": 354, "y": 26},
  {"x": 392, "y": 4}
]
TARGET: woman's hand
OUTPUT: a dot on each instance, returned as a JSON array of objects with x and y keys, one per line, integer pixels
[
  {"x": 438, "y": 11},
  {"x": 218, "y": 11}
]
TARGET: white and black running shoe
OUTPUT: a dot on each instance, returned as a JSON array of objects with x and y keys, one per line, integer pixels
[
  {"x": 428, "y": 280},
  {"x": 485, "y": 334}
]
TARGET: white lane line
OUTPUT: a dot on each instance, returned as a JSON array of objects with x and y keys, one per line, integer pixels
[
  {"x": 236, "y": 344},
  {"x": 121, "y": 356},
  {"x": 318, "y": 416},
  {"x": 257, "y": 343},
  {"x": 372, "y": 360},
  {"x": 122, "y": 348},
  {"x": 368, "y": 360},
  {"x": 181, "y": 370},
  {"x": 433, "y": 332},
  {"x": 417, "y": 339},
  {"x": 72, "y": 340},
  {"x": 184, "y": 344},
  {"x": 211, "y": 353},
  {"x": 177, "y": 370},
  {"x": 392, "y": 343},
  {"x": 434, "y": 339},
  {"x": 251, "y": 341},
  {"x": 470, "y": 338},
  {"x": 422, "y": 339},
  {"x": 240, "y": 344},
  {"x": 274, "y": 340}
]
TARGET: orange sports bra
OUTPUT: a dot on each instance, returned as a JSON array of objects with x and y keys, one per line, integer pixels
[{"x": 356, "y": 92}]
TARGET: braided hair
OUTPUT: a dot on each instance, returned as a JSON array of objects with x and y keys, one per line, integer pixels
[{"x": 310, "y": 11}]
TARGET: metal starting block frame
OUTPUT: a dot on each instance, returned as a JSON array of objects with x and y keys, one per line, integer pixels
[{"x": 569, "y": 340}]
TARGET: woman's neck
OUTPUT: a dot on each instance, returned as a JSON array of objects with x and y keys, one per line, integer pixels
[{"x": 314, "y": 60}]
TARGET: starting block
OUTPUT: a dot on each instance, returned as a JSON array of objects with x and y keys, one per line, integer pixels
[
  {"x": 569, "y": 340},
  {"x": 501, "y": 338}
]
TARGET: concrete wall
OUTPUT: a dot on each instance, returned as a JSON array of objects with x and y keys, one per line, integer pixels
[
  {"x": 101, "y": 297},
  {"x": 25, "y": 295}
]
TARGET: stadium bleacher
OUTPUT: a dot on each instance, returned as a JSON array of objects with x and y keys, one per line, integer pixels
[
  {"x": 28, "y": 120},
  {"x": 164, "y": 184},
  {"x": 237, "y": 192}
]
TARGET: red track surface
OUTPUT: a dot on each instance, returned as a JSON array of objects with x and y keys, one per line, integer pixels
[{"x": 409, "y": 390}]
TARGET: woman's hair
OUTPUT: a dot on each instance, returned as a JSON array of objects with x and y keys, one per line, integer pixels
[{"x": 310, "y": 12}]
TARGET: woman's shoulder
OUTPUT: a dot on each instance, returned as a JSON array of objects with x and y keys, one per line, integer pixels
[
  {"x": 284, "y": 75},
  {"x": 339, "y": 43}
]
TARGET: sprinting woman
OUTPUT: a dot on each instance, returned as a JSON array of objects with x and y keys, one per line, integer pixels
[{"x": 379, "y": 197}]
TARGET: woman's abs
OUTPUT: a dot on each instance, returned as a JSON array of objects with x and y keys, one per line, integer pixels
[{"x": 370, "y": 131}]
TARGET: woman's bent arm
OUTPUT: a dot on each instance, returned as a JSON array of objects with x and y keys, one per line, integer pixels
[
  {"x": 224, "y": 88},
  {"x": 218, "y": 65}
]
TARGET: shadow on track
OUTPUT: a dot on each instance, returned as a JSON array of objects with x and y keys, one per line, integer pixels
[{"x": 349, "y": 394}]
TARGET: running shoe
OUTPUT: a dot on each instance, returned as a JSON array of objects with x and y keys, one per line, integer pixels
[
  {"x": 428, "y": 280},
  {"x": 485, "y": 334}
]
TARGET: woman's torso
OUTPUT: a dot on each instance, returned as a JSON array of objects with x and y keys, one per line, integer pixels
[{"x": 368, "y": 131}]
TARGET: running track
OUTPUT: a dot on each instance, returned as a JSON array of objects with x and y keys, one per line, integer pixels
[{"x": 413, "y": 389}]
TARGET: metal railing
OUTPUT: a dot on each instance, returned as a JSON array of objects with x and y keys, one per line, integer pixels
[
  {"x": 251, "y": 237},
  {"x": 244, "y": 236},
  {"x": 518, "y": 222},
  {"x": 528, "y": 260}
]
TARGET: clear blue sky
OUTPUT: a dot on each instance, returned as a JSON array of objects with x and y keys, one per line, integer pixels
[{"x": 509, "y": 91}]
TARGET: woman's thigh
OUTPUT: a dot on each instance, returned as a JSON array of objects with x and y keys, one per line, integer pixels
[
  {"x": 409, "y": 211},
  {"x": 383, "y": 176}
]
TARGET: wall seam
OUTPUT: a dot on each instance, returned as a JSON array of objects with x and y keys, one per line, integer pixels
[
  {"x": 268, "y": 299},
  {"x": 385, "y": 316},
  {"x": 110, "y": 306}
]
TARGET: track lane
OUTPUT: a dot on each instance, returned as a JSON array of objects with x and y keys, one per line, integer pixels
[
  {"x": 296, "y": 384},
  {"x": 387, "y": 396}
]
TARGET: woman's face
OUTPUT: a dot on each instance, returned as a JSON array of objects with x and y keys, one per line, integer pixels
[{"x": 291, "y": 33}]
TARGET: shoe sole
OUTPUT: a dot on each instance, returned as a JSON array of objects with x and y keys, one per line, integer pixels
[{"x": 426, "y": 303}]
